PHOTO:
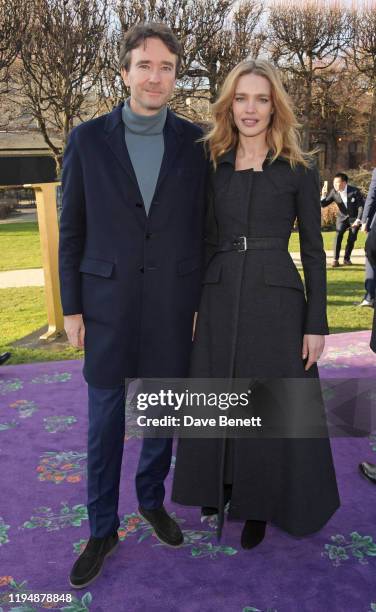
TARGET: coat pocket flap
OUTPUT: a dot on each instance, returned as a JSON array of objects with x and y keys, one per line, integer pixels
[
  {"x": 97, "y": 267},
  {"x": 282, "y": 276},
  {"x": 213, "y": 273},
  {"x": 189, "y": 265}
]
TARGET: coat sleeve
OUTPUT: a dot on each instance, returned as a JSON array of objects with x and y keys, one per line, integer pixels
[
  {"x": 72, "y": 229},
  {"x": 359, "y": 203},
  {"x": 370, "y": 205},
  {"x": 329, "y": 199},
  {"x": 370, "y": 246},
  {"x": 312, "y": 250}
]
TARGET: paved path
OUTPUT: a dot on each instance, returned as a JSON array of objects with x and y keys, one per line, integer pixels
[
  {"x": 34, "y": 277},
  {"x": 28, "y": 215}
]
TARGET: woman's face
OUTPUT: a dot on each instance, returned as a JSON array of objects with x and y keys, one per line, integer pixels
[{"x": 252, "y": 105}]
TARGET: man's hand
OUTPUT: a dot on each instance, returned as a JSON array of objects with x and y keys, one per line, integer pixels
[
  {"x": 313, "y": 347},
  {"x": 356, "y": 223},
  {"x": 324, "y": 192},
  {"x": 364, "y": 228},
  {"x": 75, "y": 329}
]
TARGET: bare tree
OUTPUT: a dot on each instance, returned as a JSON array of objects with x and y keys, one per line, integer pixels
[
  {"x": 60, "y": 65},
  {"x": 234, "y": 43},
  {"x": 14, "y": 18},
  {"x": 363, "y": 53},
  {"x": 336, "y": 111},
  {"x": 305, "y": 39}
]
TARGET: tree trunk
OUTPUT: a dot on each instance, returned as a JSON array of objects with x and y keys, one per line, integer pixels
[{"x": 306, "y": 140}]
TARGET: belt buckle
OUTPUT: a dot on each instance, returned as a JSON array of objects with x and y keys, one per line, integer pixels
[{"x": 244, "y": 246}]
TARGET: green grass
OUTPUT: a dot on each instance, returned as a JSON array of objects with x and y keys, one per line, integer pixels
[
  {"x": 345, "y": 290},
  {"x": 328, "y": 238},
  {"x": 19, "y": 246},
  {"x": 23, "y": 311}
]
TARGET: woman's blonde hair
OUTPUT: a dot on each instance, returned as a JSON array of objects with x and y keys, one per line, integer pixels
[{"x": 282, "y": 136}]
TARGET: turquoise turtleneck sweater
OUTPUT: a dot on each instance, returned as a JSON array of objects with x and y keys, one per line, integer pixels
[{"x": 145, "y": 144}]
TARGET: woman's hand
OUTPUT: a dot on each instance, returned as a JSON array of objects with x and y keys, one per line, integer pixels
[{"x": 313, "y": 347}]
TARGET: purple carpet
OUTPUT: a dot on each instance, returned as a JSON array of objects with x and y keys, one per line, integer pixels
[{"x": 43, "y": 520}]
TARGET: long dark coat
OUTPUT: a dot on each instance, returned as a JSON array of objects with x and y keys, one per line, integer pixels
[
  {"x": 136, "y": 278},
  {"x": 370, "y": 247},
  {"x": 252, "y": 318}
]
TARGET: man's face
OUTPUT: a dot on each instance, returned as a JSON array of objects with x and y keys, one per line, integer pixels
[
  {"x": 151, "y": 76},
  {"x": 339, "y": 184}
]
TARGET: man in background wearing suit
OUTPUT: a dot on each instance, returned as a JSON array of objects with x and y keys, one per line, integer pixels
[
  {"x": 367, "y": 220},
  {"x": 131, "y": 235},
  {"x": 369, "y": 469},
  {"x": 350, "y": 203}
]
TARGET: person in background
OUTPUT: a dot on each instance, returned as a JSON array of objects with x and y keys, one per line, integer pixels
[
  {"x": 350, "y": 203},
  {"x": 367, "y": 220}
]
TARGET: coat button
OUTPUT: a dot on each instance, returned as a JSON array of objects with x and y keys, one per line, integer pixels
[
  {"x": 141, "y": 269},
  {"x": 148, "y": 235},
  {"x": 138, "y": 204}
]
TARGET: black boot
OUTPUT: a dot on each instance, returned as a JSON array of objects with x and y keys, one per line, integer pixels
[
  {"x": 209, "y": 510},
  {"x": 89, "y": 564},
  {"x": 253, "y": 533},
  {"x": 166, "y": 529}
]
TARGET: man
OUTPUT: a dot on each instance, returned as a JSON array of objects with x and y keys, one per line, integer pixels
[
  {"x": 367, "y": 219},
  {"x": 350, "y": 202},
  {"x": 369, "y": 469},
  {"x": 130, "y": 259}
]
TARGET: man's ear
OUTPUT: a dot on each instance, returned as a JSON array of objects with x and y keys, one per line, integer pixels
[{"x": 124, "y": 76}]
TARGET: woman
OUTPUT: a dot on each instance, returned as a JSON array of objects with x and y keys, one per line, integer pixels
[{"x": 254, "y": 320}]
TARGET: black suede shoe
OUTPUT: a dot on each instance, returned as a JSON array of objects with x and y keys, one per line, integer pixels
[
  {"x": 253, "y": 533},
  {"x": 89, "y": 564},
  {"x": 166, "y": 529}
]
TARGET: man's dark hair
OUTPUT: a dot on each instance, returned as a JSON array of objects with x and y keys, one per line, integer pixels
[
  {"x": 342, "y": 176},
  {"x": 138, "y": 33}
]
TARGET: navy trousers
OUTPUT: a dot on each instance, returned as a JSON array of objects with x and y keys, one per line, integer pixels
[
  {"x": 341, "y": 228},
  {"x": 105, "y": 453}
]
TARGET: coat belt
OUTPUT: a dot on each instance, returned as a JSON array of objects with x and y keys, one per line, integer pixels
[{"x": 249, "y": 243}]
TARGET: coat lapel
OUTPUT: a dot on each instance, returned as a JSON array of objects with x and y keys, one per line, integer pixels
[
  {"x": 115, "y": 138},
  {"x": 114, "y": 128},
  {"x": 172, "y": 141}
]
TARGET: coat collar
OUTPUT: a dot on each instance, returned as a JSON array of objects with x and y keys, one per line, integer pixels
[
  {"x": 114, "y": 134},
  {"x": 229, "y": 157}
]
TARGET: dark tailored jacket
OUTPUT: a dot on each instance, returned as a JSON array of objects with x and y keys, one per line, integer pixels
[
  {"x": 355, "y": 203},
  {"x": 135, "y": 278},
  {"x": 370, "y": 205},
  {"x": 370, "y": 246}
]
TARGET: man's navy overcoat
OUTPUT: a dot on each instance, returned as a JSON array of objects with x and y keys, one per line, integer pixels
[{"x": 134, "y": 277}]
